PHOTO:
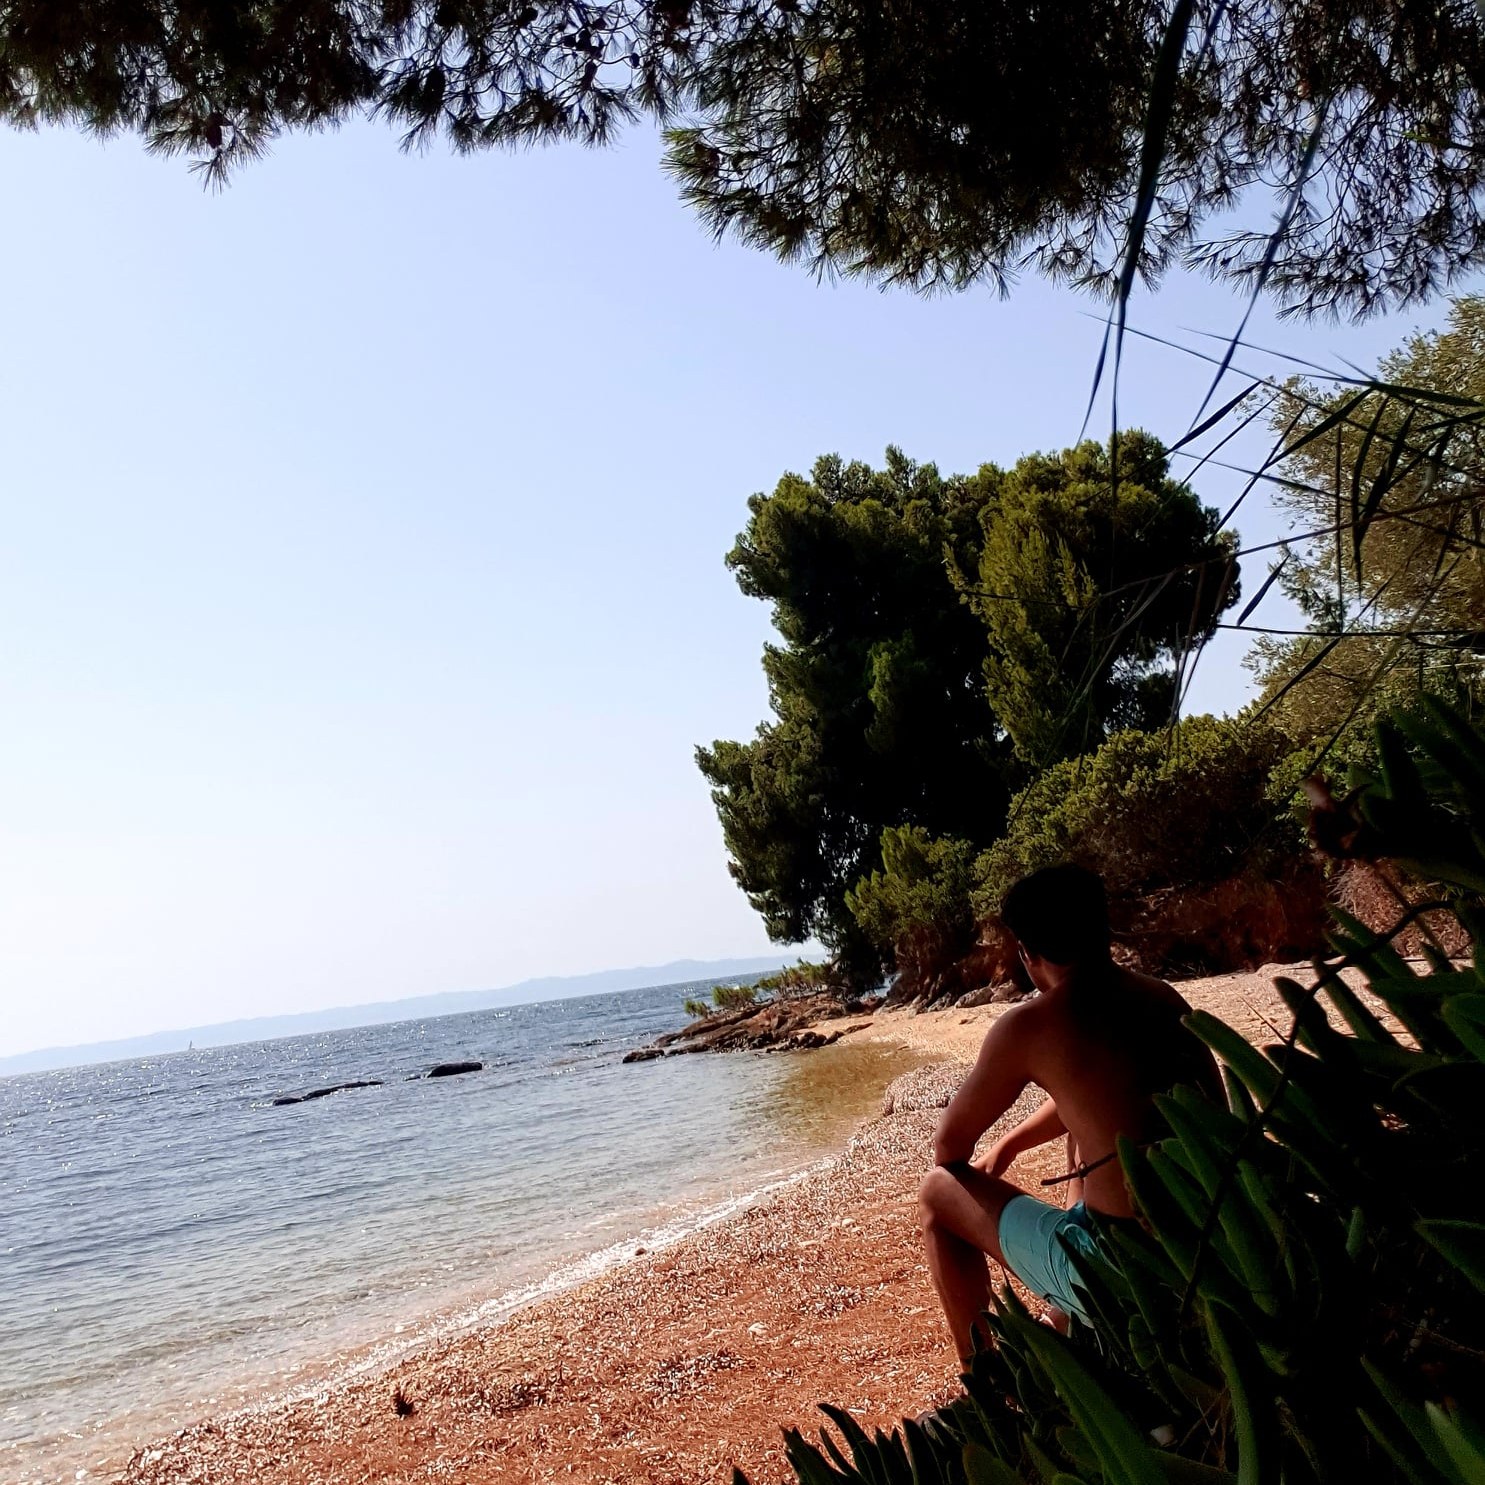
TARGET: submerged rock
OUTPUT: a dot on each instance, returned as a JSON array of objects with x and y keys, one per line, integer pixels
[
  {"x": 314, "y": 1093},
  {"x": 454, "y": 1069},
  {"x": 805, "y": 1040}
]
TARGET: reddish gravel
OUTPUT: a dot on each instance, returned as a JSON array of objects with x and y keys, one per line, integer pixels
[{"x": 683, "y": 1363}]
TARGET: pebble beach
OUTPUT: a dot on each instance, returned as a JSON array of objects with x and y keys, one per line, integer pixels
[{"x": 681, "y": 1364}]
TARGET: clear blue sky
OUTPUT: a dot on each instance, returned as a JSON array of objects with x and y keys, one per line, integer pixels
[{"x": 361, "y": 581}]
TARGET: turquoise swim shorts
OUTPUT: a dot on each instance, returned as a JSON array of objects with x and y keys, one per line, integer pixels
[{"x": 1035, "y": 1239}]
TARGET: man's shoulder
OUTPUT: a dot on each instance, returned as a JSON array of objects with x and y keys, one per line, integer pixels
[
  {"x": 1154, "y": 987},
  {"x": 1020, "y": 1024},
  {"x": 1151, "y": 983},
  {"x": 1013, "y": 1023}
]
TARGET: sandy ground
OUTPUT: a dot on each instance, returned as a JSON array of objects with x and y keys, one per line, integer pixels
[
  {"x": 680, "y": 1364},
  {"x": 1247, "y": 1001}
]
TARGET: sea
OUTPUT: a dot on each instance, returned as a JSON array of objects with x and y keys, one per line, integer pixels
[{"x": 174, "y": 1243}]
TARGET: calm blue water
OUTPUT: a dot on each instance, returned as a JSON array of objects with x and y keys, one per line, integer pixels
[{"x": 171, "y": 1242}]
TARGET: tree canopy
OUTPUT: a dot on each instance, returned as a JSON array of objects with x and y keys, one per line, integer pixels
[
  {"x": 1098, "y": 576},
  {"x": 931, "y": 143},
  {"x": 1396, "y": 603},
  {"x": 906, "y": 705},
  {"x": 879, "y": 717}
]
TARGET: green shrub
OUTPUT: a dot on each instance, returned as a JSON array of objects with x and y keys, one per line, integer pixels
[
  {"x": 1149, "y": 810},
  {"x": 922, "y": 888},
  {"x": 805, "y": 978},
  {"x": 724, "y": 998},
  {"x": 1306, "y": 1302},
  {"x": 917, "y": 907},
  {"x": 734, "y": 997}
]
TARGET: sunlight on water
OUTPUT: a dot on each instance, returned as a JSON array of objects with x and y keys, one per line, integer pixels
[{"x": 824, "y": 1093}]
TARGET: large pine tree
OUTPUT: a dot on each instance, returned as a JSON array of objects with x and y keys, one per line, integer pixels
[{"x": 940, "y": 639}]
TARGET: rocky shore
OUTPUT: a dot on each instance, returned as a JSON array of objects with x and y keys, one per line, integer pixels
[
  {"x": 797, "y": 1023},
  {"x": 804, "y": 1022}
]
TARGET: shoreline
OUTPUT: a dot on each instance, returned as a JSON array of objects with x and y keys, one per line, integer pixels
[
  {"x": 458, "y": 1236},
  {"x": 676, "y": 1364},
  {"x": 105, "y": 1450},
  {"x": 446, "y": 1322},
  {"x": 672, "y": 1365}
]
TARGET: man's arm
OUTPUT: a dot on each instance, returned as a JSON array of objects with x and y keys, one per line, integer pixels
[
  {"x": 993, "y": 1085},
  {"x": 1036, "y": 1129}
]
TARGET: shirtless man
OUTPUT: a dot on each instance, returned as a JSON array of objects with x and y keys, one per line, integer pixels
[{"x": 1102, "y": 1041}]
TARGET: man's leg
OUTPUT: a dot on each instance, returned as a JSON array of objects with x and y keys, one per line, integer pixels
[{"x": 959, "y": 1210}]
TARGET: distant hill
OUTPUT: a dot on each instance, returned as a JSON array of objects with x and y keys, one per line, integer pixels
[{"x": 418, "y": 1007}]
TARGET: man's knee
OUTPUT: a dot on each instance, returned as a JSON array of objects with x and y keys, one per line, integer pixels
[{"x": 934, "y": 1191}]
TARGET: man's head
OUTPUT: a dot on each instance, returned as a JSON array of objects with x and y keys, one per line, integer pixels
[{"x": 1060, "y": 916}]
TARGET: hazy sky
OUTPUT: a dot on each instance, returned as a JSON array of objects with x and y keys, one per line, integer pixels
[{"x": 361, "y": 582}]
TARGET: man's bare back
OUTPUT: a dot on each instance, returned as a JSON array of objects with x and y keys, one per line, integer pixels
[{"x": 1101, "y": 1050}]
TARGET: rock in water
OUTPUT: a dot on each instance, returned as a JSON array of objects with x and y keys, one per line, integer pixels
[
  {"x": 324, "y": 1092},
  {"x": 453, "y": 1069}
]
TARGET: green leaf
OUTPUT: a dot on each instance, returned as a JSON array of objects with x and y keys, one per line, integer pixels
[
  {"x": 1123, "y": 1453},
  {"x": 1247, "y": 1251},
  {"x": 1434, "y": 1455},
  {"x": 1250, "y": 1393},
  {"x": 1258, "y": 1074},
  {"x": 807, "y": 1461},
  {"x": 927, "y": 1464},
  {"x": 1239, "y": 1100},
  {"x": 1174, "y": 1230},
  {"x": 1161, "y": 100},
  {"x": 827, "y": 1442},
  {"x": 1315, "y": 1030},
  {"x": 1201, "y": 1395},
  {"x": 1462, "y": 1243},
  {"x": 1071, "y": 1441},
  {"x": 1401, "y": 1450},
  {"x": 1358, "y": 468},
  {"x": 1046, "y": 1466},
  {"x": 1363, "y": 1023},
  {"x": 1464, "y": 1442},
  {"x": 981, "y": 1467},
  {"x": 1468, "y": 747},
  {"x": 1465, "y": 1017},
  {"x": 864, "y": 1453},
  {"x": 1183, "y": 1187},
  {"x": 1387, "y": 478}
]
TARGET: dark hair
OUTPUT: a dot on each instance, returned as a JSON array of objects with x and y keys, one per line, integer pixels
[{"x": 1060, "y": 913}]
